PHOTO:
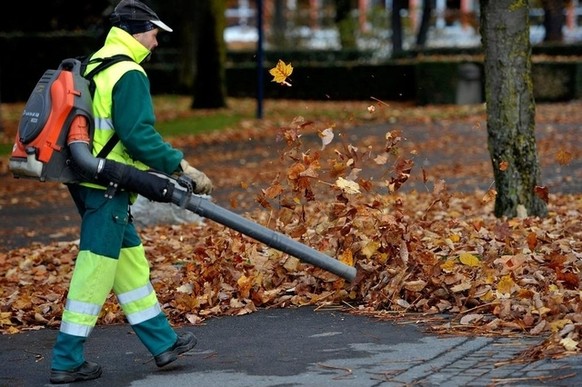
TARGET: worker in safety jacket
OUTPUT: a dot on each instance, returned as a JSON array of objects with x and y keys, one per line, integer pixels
[{"x": 111, "y": 255}]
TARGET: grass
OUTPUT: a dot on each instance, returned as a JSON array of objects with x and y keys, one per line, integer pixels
[
  {"x": 197, "y": 124},
  {"x": 174, "y": 118}
]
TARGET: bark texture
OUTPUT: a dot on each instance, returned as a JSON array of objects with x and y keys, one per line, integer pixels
[{"x": 510, "y": 107}]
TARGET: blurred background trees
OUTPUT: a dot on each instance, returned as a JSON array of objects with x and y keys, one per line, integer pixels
[{"x": 206, "y": 29}]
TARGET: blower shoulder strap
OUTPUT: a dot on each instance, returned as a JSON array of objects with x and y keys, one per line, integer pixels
[{"x": 103, "y": 64}]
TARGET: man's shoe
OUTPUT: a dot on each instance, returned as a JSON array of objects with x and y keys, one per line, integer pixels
[
  {"x": 85, "y": 371},
  {"x": 185, "y": 342}
]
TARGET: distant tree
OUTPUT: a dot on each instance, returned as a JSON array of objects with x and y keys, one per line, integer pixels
[
  {"x": 510, "y": 107},
  {"x": 427, "y": 8},
  {"x": 56, "y": 15},
  {"x": 279, "y": 24},
  {"x": 554, "y": 19},
  {"x": 396, "y": 22},
  {"x": 345, "y": 24},
  {"x": 207, "y": 23}
]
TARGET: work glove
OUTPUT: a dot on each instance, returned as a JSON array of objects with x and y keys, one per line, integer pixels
[{"x": 202, "y": 184}]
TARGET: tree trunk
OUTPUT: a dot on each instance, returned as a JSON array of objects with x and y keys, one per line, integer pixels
[
  {"x": 279, "y": 24},
  {"x": 427, "y": 9},
  {"x": 397, "y": 6},
  {"x": 210, "y": 82},
  {"x": 510, "y": 107},
  {"x": 345, "y": 24},
  {"x": 188, "y": 44},
  {"x": 554, "y": 19}
]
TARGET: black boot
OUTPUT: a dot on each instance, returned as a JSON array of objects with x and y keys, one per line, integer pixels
[
  {"x": 185, "y": 342},
  {"x": 85, "y": 371}
]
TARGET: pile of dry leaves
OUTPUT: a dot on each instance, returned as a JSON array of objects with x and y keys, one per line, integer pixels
[{"x": 433, "y": 256}]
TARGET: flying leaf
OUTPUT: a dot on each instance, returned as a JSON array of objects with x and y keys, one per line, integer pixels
[
  {"x": 381, "y": 159},
  {"x": 489, "y": 196},
  {"x": 349, "y": 187},
  {"x": 184, "y": 288},
  {"x": 564, "y": 157},
  {"x": 326, "y": 137},
  {"x": 281, "y": 72}
]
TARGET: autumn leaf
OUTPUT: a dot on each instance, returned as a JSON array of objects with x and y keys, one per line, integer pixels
[
  {"x": 448, "y": 265},
  {"x": 370, "y": 248},
  {"x": 466, "y": 285},
  {"x": 532, "y": 240},
  {"x": 559, "y": 324},
  {"x": 505, "y": 287},
  {"x": 381, "y": 159},
  {"x": 489, "y": 196},
  {"x": 470, "y": 318},
  {"x": 469, "y": 259},
  {"x": 281, "y": 72},
  {"x": 569, "y": 343},
  {"x": 5, "y": 318},
  {"x": 564, "y": 157},
  {"x": 347, "y": 186},
  {"x": 542, "y": 193},
  {"x": 326, "y": 137},
  {"x": 347, "y": 257}
]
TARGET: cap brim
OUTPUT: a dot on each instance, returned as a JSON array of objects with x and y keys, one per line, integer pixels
[{"x": 161, "y": 25}]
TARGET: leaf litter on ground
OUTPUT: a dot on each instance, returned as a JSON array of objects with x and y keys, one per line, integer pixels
[{"x": 430, "y": 254}]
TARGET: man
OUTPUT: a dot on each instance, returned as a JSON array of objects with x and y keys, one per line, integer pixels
[{"x": 111, "y": 255}]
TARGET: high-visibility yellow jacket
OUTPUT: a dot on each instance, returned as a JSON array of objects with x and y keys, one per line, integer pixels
[{"x": 122, "y": 104}]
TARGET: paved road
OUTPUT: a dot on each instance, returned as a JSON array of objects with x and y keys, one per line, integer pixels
[{"x": 297, "y": 347}]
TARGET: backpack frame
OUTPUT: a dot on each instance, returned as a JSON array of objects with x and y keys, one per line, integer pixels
[{"x": 40, "y": 148}]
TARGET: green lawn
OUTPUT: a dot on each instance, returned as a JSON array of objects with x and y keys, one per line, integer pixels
[{"x": 174, "y": 118}]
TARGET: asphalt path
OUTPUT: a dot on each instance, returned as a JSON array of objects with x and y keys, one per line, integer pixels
[{"x": 297, "y": 347}]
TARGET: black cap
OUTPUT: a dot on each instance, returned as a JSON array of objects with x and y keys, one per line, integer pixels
[{"x": 134, "y": 17}]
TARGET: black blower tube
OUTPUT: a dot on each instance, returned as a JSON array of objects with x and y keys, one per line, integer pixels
[
  {"x": 149, "y": 185},
  {"x": 114, "y": 175},
  {"x": 162, "y": 188}
]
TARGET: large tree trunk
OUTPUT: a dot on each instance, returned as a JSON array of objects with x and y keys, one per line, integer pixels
[
  {"x": 210, "y": 82},
  {"x": 510, "y": 107}
]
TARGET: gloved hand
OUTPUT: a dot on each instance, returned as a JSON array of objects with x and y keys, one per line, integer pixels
[{"x": 202, "y": 182}]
